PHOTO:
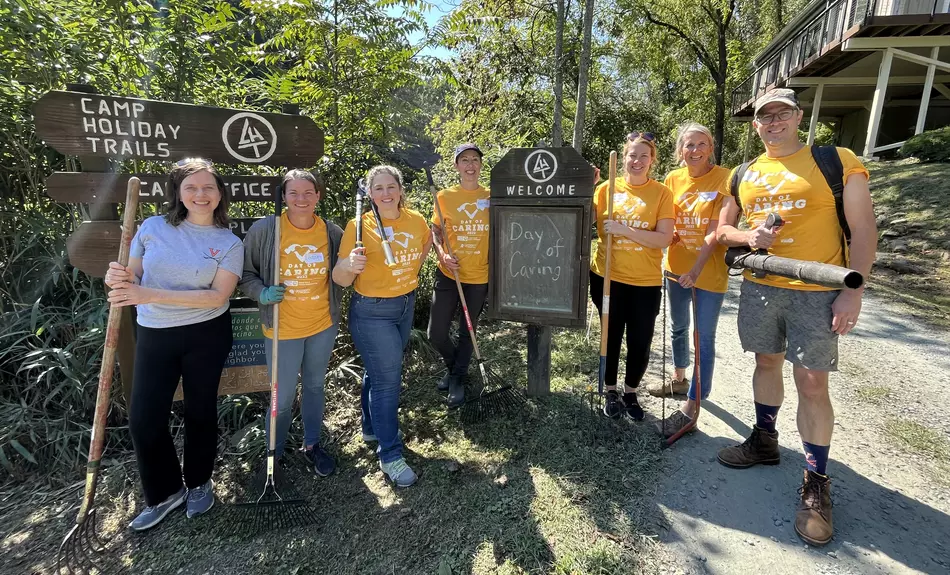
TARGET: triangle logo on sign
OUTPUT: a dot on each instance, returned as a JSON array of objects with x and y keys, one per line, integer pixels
[
  {"x": 541, "y": 166},
  {"x": 251, "y": 138}
]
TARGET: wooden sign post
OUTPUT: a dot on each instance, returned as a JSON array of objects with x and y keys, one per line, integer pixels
[
  {"x": 540, "y": 235},
  {"x": 97, "y": 128}
]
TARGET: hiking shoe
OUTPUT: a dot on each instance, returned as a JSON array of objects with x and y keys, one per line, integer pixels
[
  {"x": 153, "y": 514},
  {"x": 613, "y": 408},
  {"x": 399, "y": 472},
  {"x": 672, "y": 424},
  {"x": 760, "y": 447},
  {"x": 323, "y": 464},
  {"x": 631, "y": 406},
  {"x": 679, "y": 387},
  {"x": 456, "y": 392},
  {"x": 200, "y": 499},
  {"x": 444, "y": 382},
  {"x": 813, "y": 518}
]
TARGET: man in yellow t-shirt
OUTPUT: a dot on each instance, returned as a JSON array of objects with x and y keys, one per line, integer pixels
[
  {"x": 465, "y": 209},
  {"x": 782, "y": 319}
]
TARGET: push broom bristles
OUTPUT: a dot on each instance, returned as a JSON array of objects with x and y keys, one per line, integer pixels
[{"x": 494, "y": 398}]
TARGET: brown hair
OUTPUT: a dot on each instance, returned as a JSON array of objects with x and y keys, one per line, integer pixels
[
  {"x": 395, "y": 173},
  {"x": 631, "y": 142},
  {"x": 177, "y": 212},
  {"x": 297, "y": 174}
]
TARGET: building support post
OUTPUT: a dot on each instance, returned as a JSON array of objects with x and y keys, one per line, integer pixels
[
  {"x": 928, "y": 87},
  {"x": 877, "y": 105},
  {"x": 813, "y": 125}
]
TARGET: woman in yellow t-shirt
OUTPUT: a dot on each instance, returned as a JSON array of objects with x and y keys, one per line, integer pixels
[
  {"x": 465, "y": 209},
  {"x": 642, "y": 226},
  {"x": 309, "y": 305},
  {"x": 380, "y": 316},
  {"x": 694, "y": 261}
]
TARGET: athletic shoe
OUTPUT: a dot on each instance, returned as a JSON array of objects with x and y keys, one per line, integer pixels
[
  {"x": 399, "y": 472},
  {"x": 813, "y": 518},
  {"x": 613, "y": 408},
  {"x": 632, "y": 407},
  {"x": 153, "y": 514},
  {"x": 760, "y": 447},
  {"x": 672, "y": 424},
  {"x": 323, "y": 465},
  {"x": 200, "y": 499}
]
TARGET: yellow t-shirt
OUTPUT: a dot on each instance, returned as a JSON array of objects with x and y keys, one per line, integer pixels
[
  {"x": 466, "y": 229},
  {"x": 697, "y": 202},
  {"x": 305, "y": 271},
  {"x": 636, "y": 207},
  {"x": 794, "y": 187},
  {"x": 408, "y": 235}
]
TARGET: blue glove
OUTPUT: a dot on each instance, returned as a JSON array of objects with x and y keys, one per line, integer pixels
[{"x": 272, "y": 294}]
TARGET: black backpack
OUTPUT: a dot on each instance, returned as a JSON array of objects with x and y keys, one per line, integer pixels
[{"x": 829, "y": 162}]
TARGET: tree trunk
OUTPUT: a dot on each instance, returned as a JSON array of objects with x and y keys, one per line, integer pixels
[
  {"x": 779, "y": 16},
  {"x": 556, "y": 136},
  {"x": 720, "y": 79},
  {"x": 582, "y": 76}
]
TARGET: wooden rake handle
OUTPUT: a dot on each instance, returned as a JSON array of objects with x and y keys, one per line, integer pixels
[
  {"x": 605, "y": 307},
  {"x": 107, "y": 367}
]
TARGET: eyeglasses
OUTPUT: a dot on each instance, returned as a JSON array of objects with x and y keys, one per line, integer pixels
[
  {"x": 185, "y": 161},
  {"x": 648, "y": 136},
  {"x": 782, "y": 116}
]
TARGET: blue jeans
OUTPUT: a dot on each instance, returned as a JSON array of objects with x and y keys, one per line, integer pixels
[
  {"x": 307, "y": 356},
  {"x": 708, "y": 304},
  {"x": 380, "y": 327}
]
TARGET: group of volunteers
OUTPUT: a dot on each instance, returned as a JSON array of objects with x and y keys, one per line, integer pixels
[{"x": 185, "y": 265}]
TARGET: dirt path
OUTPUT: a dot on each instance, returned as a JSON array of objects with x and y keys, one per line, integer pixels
[{"x": 892, "y": 505}]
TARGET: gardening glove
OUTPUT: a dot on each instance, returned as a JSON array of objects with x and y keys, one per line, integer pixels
[{"x": 272, "y": 294}]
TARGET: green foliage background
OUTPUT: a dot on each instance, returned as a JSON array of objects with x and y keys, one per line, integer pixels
[{"x": 350, "y": 65}]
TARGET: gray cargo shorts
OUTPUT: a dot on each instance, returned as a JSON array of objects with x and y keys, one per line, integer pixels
[{"x": 771, "y": 317}]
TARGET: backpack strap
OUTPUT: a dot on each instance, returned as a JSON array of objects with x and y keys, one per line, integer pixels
[
  {"x": 737, "y": 176},
  {"x": 829, "y": 162}
]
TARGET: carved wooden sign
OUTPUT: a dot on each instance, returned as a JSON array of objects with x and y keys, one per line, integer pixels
[
  {"x": 80, "y": 124},
  {"x": 96, "y": 187}
]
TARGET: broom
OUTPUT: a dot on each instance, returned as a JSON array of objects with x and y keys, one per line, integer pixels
[
  {"x": 82, "y": 540},
  {"x": 494, "y": 397},
  {"x": 279, "y": 504}
]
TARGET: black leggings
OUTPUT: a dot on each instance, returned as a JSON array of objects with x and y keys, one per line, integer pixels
[
  {"x": 194, "y": 354},
  {"x": 634, "y": 308},
  {"x": 445, "y": 302}
]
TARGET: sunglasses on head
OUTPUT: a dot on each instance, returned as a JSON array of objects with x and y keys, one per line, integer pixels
[
  {"x": 185, "y": 161},
  {"x": 648, "y": 136}
]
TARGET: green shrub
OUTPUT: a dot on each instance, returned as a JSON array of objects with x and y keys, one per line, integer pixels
[{"x": 932, "y": 146}]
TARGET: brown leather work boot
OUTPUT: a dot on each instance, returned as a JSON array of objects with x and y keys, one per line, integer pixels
[
  {"x": 761, "y": 447},
  {"x": 813, "y": 518},
  {"x": 679, "y": 387}
]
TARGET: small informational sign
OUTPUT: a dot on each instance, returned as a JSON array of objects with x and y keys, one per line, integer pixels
[
  {"x": 97, "y": 187},
  {"x": 82, "y": 124},
  {"x": 540, "y": 237}
]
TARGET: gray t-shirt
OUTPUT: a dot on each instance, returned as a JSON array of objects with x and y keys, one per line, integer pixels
[{"x": 183, "y": 257}]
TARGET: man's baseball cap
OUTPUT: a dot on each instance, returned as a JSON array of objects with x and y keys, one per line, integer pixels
[
  {"x": 783, "y": 95},
  {"x": 465, "y": 148}
]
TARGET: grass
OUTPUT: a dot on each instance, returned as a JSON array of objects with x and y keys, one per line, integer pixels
[
  {"x": 518, "y": 495},
  {"x": 912, "y": 200},
  {"x": 874, "y": 393},
  {"x": 919, "y": 438}
]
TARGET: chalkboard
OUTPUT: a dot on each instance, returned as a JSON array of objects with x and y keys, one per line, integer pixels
[{"x": 536, "y": 258}]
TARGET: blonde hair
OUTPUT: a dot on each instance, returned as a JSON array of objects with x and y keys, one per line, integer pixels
[
  {"x": 631, "y": 142},
  {"x": 688, "y": 128},
  {"x": 392, "y": 171}
]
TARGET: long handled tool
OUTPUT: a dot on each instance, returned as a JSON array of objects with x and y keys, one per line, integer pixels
[
  {"x": 383, "y": 238},
  {"x": 605, "y": 306},
  {"x": 279, "y": 504},
  {"x": 495, "y": 396},
  {"x": 696, "y": 367},
  {"x": 82, "y": 540}
]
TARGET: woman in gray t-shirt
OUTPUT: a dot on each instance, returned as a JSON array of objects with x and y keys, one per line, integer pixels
[{"x": 183, "y": 268}]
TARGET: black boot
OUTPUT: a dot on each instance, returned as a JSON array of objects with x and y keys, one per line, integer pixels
[
  {"x": 456, "y": 392},
  {"x": 444, "y": 382}
]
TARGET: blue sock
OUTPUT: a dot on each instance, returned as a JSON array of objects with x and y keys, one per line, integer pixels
[
  {"x": 765, "y": 416},
  {"x": 816, "y": 457}
]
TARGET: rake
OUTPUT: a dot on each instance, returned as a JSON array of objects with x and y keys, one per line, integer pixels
[
  {"x": 82, "y": 542},
  {"x": 494, "y": 397},
  {"x": 279, "y": 505},
  {"x": 605, "y": 306}
]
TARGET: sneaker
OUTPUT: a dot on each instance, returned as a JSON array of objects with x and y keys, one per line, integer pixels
[
  {"x": 813, "y": 518},
  {"x": 153, "y": 514},
  {"x": 323, "y": 464},
  {"x": 761, "y": 447},
  {"x": 672, "y": 424},
  {"x": 399, "y": 472},
  {"x": 678, "y": 387},
  {"x": 631, "y": 406},
  {"x": 444, "y": 382},
  {"x": 456, "y": 392},
  {"x": 200, "y": 499},
  {"x": 613, "y": 408}
]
